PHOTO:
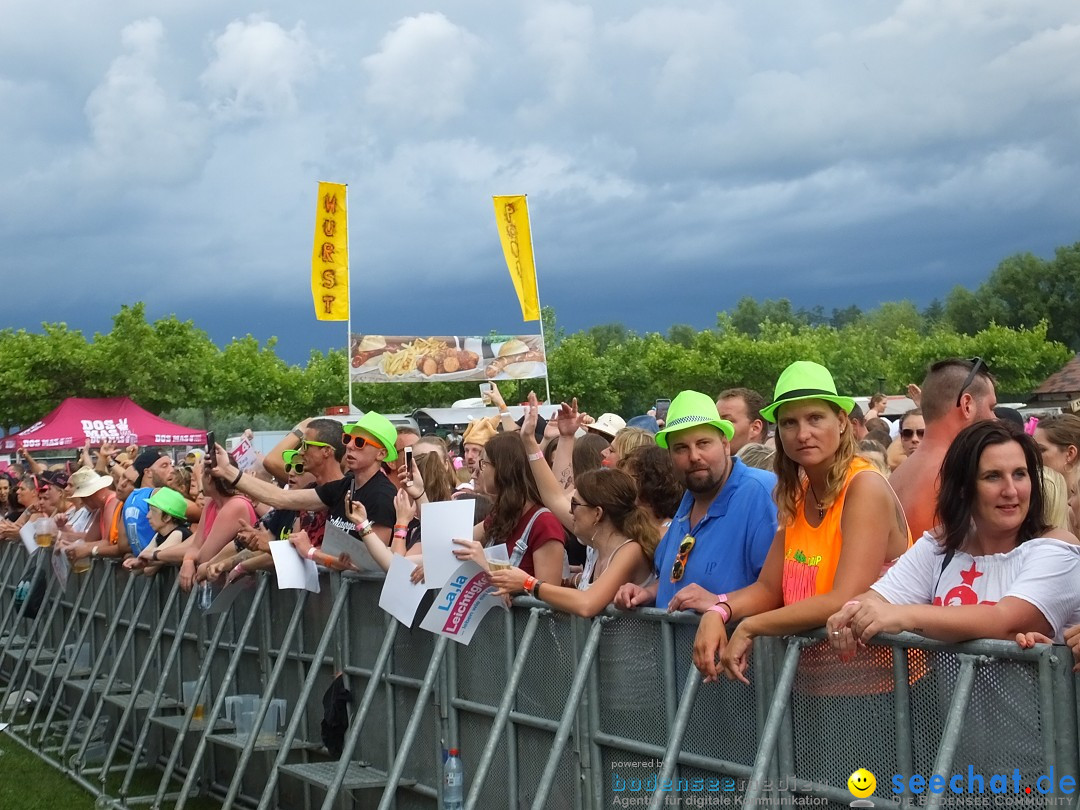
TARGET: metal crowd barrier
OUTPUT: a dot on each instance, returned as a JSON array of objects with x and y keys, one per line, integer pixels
[{"x": 549, "y": 711}]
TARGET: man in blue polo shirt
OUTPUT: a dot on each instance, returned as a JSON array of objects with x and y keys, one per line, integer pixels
[{"x": 720, "y": 535}]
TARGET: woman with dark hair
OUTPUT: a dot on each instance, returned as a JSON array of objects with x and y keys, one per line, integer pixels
[
  {"x": 839, "y": 525},
  {"x": 533, "y": 536},
  {"x": 659, "y": 491},
  {"x": 990, "y": 569},
  {"x": 605, "y": 515}
]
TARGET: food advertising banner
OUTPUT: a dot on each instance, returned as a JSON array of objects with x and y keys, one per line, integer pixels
[{"x": 407, "y": 358}]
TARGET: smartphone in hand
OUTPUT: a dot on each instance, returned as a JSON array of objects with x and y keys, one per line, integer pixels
[
  {"x": 211, "y": 449},
  {"x": 408, "y": 462}
]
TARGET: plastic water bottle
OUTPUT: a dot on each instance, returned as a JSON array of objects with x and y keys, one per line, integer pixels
[{"x": 453, "y": 782}]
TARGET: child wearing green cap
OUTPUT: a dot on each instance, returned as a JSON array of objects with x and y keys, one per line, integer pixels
[{"x": 167, "y": 516}]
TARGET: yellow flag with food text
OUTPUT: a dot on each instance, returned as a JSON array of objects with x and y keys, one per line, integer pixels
[
  {"x": 330, "y": 255},
  {"x": 512, "y": 217}
]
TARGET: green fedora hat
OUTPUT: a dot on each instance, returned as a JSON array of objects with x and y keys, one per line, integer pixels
[
  {"x": 690, "y": 409},
  {"x": 378, "y": 426},
  {"x": 805, "y": 379}
]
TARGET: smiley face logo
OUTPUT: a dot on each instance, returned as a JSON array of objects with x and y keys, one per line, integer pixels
[{"x": 861, "y": 783}]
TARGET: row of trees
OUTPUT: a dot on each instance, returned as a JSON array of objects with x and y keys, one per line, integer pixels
[{"x": 1022, "y": 320}]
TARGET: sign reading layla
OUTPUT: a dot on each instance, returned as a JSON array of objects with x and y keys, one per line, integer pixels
[
  {"x": 407, "y": 358},
  {"x": 462, "y": 603}
]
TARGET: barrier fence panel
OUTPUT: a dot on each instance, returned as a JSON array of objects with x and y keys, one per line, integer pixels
[{"x": 548, "y": 710}]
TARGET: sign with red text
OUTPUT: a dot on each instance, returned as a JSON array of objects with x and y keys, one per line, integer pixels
[{"x": 462, "y": 604}]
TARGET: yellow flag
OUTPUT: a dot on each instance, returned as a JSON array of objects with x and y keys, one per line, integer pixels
[
  {"x": 512, "y": 217},
  {"x": 330, "y": 255}
]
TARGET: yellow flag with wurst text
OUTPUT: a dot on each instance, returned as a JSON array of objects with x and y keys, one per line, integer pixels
[
  {"x": 512, "y": 217},
  {"x": 330, "y": 255}
]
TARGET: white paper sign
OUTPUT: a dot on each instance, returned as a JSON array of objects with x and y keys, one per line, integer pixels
[
  {"x": 227, "y": 595},
  {"x": 293, "y": 571},
  {"x": 400, "y": 597},
  {"x": 441, "y": 523},
  {"x": 244, "y": 454},
  {"x": 336, "y": 542},
  {"x": 61, "y": 566},
  {"x": 462, "y": 603},
  {"x": 26, "y": 534}
]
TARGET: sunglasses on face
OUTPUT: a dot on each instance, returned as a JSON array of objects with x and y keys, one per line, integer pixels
[
  {"x": 309, "y": 442},
  {"x": 908, "y": 433},
  {"x": 678, "y": 568},
  {"x": 575, "y": 503},
  {"x": 298, "y": 467},
  {"x": 360, "y": 441}
]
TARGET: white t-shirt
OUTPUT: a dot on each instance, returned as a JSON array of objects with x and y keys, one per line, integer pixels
[{"x": 1042, "y": 571}]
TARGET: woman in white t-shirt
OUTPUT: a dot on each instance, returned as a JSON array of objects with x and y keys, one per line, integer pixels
[{"x": 992, "y": 562}]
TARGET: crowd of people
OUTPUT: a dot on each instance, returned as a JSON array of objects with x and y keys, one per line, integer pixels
[{"x": 956, "y": 521}]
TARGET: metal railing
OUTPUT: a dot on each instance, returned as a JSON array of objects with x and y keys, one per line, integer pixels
[{"x": 547, "y": 709}]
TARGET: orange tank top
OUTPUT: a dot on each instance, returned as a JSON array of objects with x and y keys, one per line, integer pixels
[{"x": 811, "y": 554}]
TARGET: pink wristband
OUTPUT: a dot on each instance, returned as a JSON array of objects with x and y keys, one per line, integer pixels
[
  {"x": 535, "y": 456},
  {"x": 311, "y": 552},
  {"x": 239, "y": 568},
  {"x": 723, "y": 609}
]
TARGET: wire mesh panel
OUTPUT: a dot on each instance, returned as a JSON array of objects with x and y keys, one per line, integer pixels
[
  {"x": 551, "y": 665},
  {"x": 630, "y": 666},
  {"x": 854, "y": 703}
]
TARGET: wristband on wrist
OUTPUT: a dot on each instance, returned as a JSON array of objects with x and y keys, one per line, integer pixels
[
  {"x": 536, "y": 588},
  {"x": 530, "y": 583},
  {"x": 365, "y": 527},
  {"x": 401, "y": 526},
  {"x": 298, "y": 433},
  {"x": 722, "y": 607},
  {"x": 311, "y": 553},
  {"x": 537, "y": 456},
  {"x": 401, "y": 533},
  {"x": 239, "y": 474},
  {"x": 240, "y": 568}
]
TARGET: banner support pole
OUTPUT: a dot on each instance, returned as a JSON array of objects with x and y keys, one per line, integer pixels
[
  {"x": 543, "y": 337},
  {"x": 348, "y": 322}
]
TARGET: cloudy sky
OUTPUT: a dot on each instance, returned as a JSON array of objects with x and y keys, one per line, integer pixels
[{"x": 676, "y": 156}]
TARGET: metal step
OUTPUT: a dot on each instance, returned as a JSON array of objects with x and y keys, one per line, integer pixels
[
  {"x": 142, "y": 701},
  {"x": 174, "y": 722},
  {"x": 262, "y": 743},
  {"x": 99, "y": 685},
  {"x": 63, "y": 671},
  {"x": 360, "y": 775}
]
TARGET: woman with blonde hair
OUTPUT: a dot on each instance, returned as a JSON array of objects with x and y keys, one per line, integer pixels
[
  {"x": 1058, "y": 439},
  {"x": 840, "y": 525}
]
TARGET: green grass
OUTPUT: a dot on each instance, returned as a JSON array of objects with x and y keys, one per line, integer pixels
[{"x": 28, "y": 782}]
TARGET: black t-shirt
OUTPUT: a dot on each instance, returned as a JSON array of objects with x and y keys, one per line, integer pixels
[{"x": 377, "y": 496}]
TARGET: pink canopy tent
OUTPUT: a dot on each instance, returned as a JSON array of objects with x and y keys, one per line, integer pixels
[{"x": 117, "y": 420}]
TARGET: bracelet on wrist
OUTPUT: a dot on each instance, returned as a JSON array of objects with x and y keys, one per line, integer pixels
[
  {"x": 401, "y": 526},
  {"x": 724, "y": 609},
  {"x": 530, "y": 583},
  {"x": 365, "y": 527},
  {"x": 298, "y": 433},
  {"x": 311, "y": 552},
  {"x": 537, "y": 456},
  {"x": 536, "y": 589},
  {"x": 240, "y": 568},
  {"x": 236, "y": 481}
]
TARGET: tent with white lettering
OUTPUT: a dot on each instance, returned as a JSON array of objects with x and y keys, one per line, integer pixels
[{"x": 117, "y": 420}]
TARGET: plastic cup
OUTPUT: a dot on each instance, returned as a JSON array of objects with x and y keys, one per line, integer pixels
[
  {"x": 82, "y": 564},
  {"x": 45, "y": 532}
]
